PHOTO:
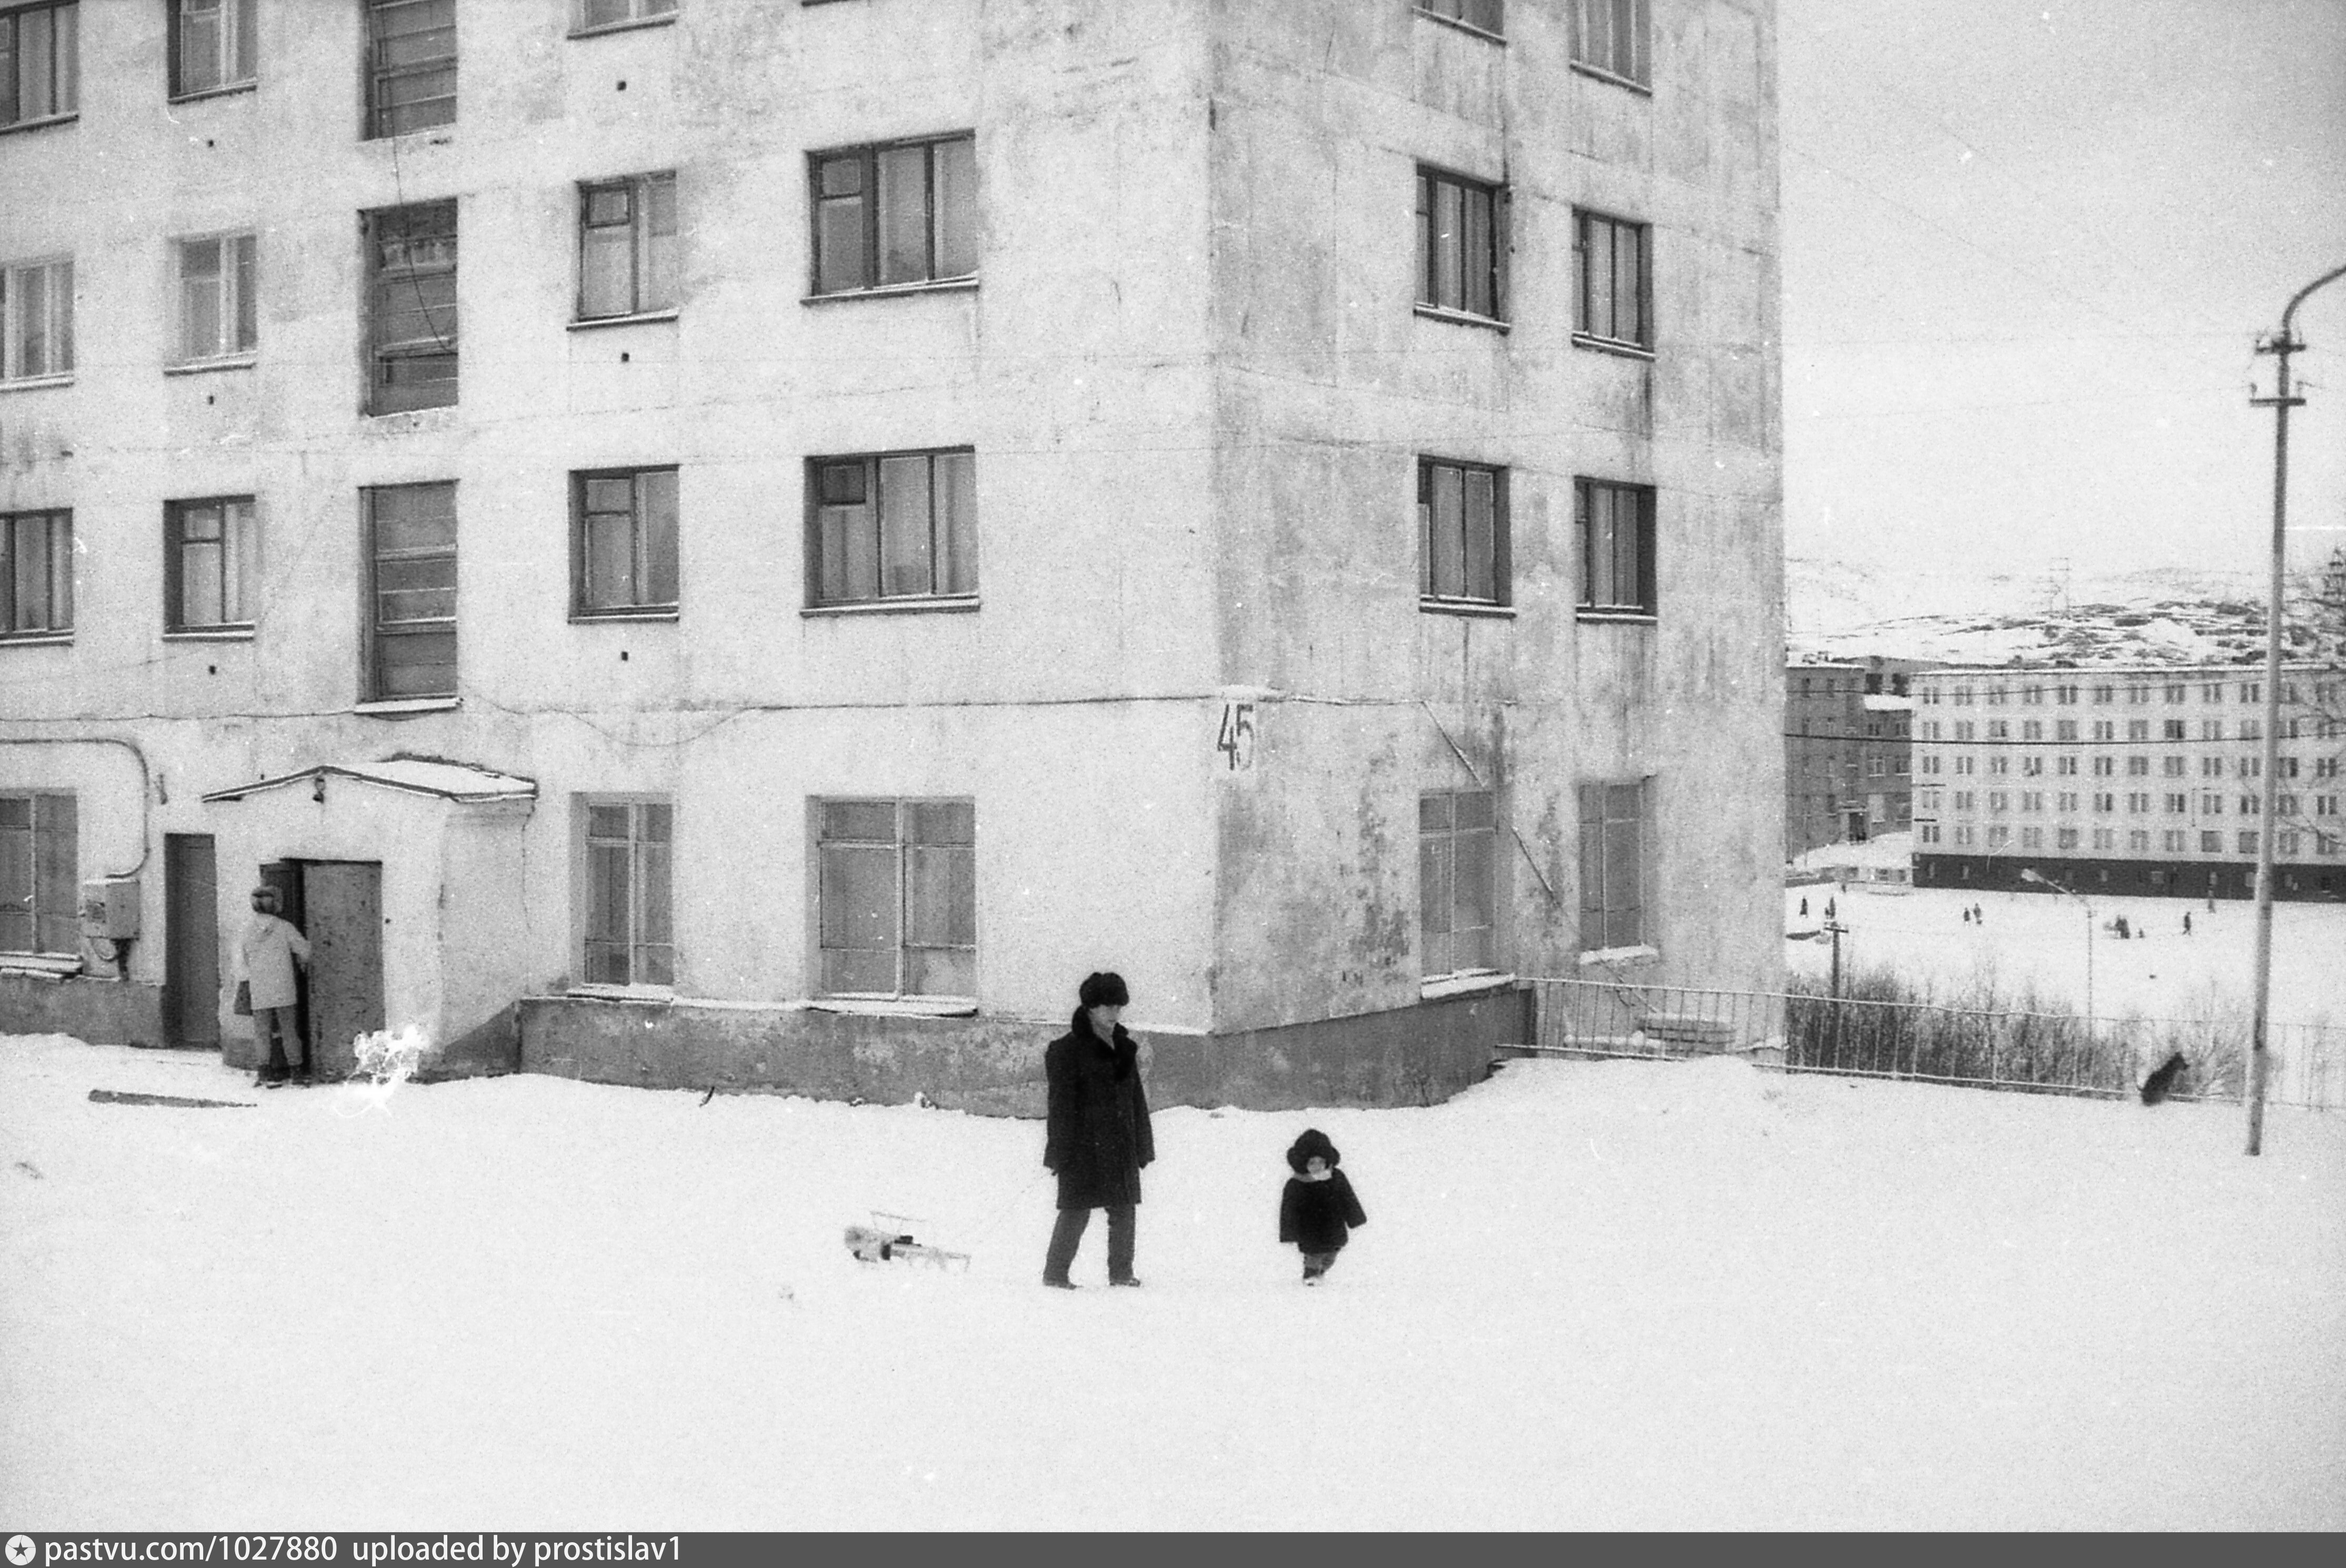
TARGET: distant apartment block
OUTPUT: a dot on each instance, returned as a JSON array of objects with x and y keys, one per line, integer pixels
[{"x": 1848, "y": 763}]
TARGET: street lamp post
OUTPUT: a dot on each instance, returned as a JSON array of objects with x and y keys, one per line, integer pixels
[
  {"x": 2281, "y": 345},
  {"x": 2031, "y": 874}
]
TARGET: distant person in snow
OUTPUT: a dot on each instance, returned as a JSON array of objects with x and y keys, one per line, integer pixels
[
  {"x": 1804, "y": 909},
  {"x": 1967, "y": 917},
  {"x": 2187, "y": 922},
  {"x": 268, "y": 959},
  {"x": 1097, "y": 1136},
  {"x": 1317, "y": 1210},
  {"x": 1979, "y": 915}
]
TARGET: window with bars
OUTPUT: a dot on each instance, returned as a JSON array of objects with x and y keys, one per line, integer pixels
[
  {"x": 412, "y": 66},
  {"x": 218, "y": 314},
  {"x": 1457, "y": 882},
  {"x": 1461, "y": 532},
  {"x": 892, "y": 526},
  {"x": 1482, "y": 15},
  {"x": 1459, "y": 244},
  {"x": 412, "y": 591},
  {"x": 411, "y": 336},
  {"x": 626, "y": 247},
  {"x": 208, "y": 567},
  {"x": 214, "y": 45},
  {"x": 39, "y": 882},
  {"x": 1612, "y": 285},
  {"x": 1614, "y": 839},
  {"x": 35, "y": 319},
  {"x": 894, "y": 214},
  {"x": 625, "y": 541},
  {"x": 1615, "y": 528},
  {"x": 896, "y": 897},
  {"x": 628, "y": 937},
  {"x": 35, "y": 574},
  {"x": 40, "y": 63},
  {"x": 1609, "y": 36}
]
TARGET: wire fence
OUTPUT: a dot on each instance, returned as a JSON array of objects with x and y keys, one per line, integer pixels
[{"x": 1807, "y": 1030}]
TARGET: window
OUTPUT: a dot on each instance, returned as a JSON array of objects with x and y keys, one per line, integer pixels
[
  {"x": 413, "y": 66},
  {"x": 1609, "y": 36},
  {"x": 1461, "y": 532},
  {"x": 2211, "y": 767},
  {"x": 412, "y": 586},
  {"x": 1964, "y": 729},
  {"x": 2137, "y": 729},
  {"x": 2032, "y": 766},
  {"x": 2138, "y": 840},
  {"x": 36, "y": 320},
  {"x": 2249, "y": 842},
  {"x": 2033, "y": 729},
  {"x": 2175, "y": 841},
  {"x": 1999, "y": 765},
  {"x": 2171, "y": 729},
  {"x": 208, "y": 570},
  {"x": 412, "y": 257},
  {"x": 2066, "y": 799},
  {"x": 2105, "y": 694},
  {"x": 2250, "y": 805},
  {"x": 2066, "y": 767},
  {"x": 2062, "y": 837},
  {"x": 1928, "y": 832},
  {"x": 2252, "y": 767},
  {"x": 36, "y": 573},
  {"x": 1999, "y": 729},
  {"x": 2066, "y": 729},
  {"x": 2137, "y": 801},
  {"x": 2253, "y": 691},
  {"x": 1611, "y": 286},
  {"x": 2106, "y": 837},
  {"x": 1999, "y": 801},
  {"x": 628, "y": 938},
  {"x": 2064, "y": 694},
  {"x": 40, "y": 890},
  {"x": 1457, "y": 882},
  {"x": 1615, "y": 524},
  {"x": 2252, "y": 730},
  {"x": 897, "y": 897},
  {"x": 1458, "y": 246},
  {"x": 2178, "y": 804},
  {"x": 2171, "y": 767},
  {"x": 219, "y": 315},
  {"x": 625, "y": 541},
  {"x": 1484, "y": 16},
  {"x": 2212, "y": 804},
  {"x": 2284, "y": 843},
  {"x": 1999, "y": 838},
  {"x": 2032, "y": 800},
  {"x": 2176, "y": 692},
  {"x": 2032, "y": 696},
  {"x": 212, "y": 46},
  {"x": 626, "y": 247},
  {"x": 2105, "y": 766},
  {"x": 613, "y": 13},
  {"x": 1613, "y": 844},
  {"x": 2105, "y": 800},
  {"x": 894, "y": 214},
  {"x": 40, "y": 63},
  {"x": 896, "y": 525}
]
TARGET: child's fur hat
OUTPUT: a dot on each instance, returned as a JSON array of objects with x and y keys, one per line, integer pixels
[{"x": 1312, "y": 1142}]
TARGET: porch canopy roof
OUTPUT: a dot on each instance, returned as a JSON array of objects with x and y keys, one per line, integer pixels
[{"x": 457, "y": 781}]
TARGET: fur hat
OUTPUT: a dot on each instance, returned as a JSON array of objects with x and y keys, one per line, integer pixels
[
  {"x": 1312, "y": 1142},
  {"x": 1103, "y": 990}
]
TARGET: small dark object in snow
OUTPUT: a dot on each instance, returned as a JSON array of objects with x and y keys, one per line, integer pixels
[
  {"x": 30, "y": 1169},
  {"x": 2161, "y": 1082},
  {"x": 118, "y": 1097},
  {"x": 874, "y": 1244},
  {"x": 710, "y": 1096}
]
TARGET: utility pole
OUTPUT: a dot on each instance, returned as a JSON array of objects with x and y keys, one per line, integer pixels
[
  {"x": 2281, "y": 345},
  {"x": 1836, "y": 928}
]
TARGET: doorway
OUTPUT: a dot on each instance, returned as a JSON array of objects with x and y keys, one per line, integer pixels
[
  {"x": 192, "y": 950},
  {"x": 338, "y": 905}
]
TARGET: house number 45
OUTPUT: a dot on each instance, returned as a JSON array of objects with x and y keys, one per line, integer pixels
[{"x": 1234, "y": 739}]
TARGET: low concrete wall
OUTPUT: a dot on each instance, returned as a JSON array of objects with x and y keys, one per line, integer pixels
[
  {"x": 1412, "y": 1056},
  {"x": 103, "y": 1012}
]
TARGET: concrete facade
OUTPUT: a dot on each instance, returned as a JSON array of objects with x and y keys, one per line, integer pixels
[
  {"x": 1197, "y": 389},
  {"x": 1848, "y": 752}
]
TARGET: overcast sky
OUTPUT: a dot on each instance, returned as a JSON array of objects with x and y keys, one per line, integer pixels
[{"x": 2028, "y": 248}]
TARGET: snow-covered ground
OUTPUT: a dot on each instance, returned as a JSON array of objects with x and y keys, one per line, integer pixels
[
  {"x": 2039, "y": 940},
  {"x": 1627, "y": 1293}
]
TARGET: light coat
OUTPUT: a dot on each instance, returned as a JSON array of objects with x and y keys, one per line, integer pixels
[{"x": 267, "y": 956}]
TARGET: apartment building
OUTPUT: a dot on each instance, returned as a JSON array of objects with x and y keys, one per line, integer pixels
[
  {"x": 715, "y": 541},
  {"x": 2145, "y": 780},
  {"x": 1848, "y": 761}
]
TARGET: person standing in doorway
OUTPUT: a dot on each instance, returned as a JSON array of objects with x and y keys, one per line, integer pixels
[
  {"x": 269, "y": 956},
  {"x": 1098, "y": 1137}
]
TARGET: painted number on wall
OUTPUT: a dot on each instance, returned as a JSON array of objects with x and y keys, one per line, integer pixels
[{"x": 1234, "y": 739}]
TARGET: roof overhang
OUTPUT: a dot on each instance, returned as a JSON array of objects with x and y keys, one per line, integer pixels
[{"x": 460, "y": 782}]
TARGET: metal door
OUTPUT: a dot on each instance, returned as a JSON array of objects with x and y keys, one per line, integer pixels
[
  {"x": 192, "y": 950},
  {"x": 343, "y": 906}
]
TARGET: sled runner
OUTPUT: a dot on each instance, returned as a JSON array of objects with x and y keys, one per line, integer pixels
[{"x": 886, "y": 1240}]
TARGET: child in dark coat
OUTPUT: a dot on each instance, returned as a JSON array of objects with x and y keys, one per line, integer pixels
[{"x": 1318, "y": 1209}]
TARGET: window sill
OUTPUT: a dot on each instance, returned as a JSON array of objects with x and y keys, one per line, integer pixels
[
  {"x": 209, "y": 635},
  {"x": 890, "y": 607},
  {"x": 1585, "y": 68},
  {"x": 203, "y": 367},
  {"x": 42, "y": 124},
  {"x": 430, "y": 416},
  {"x": 1607, "y": 956},
  {"x": 229, "y": 90},
  {"x": 1475, "y": 611},
  {"x": 897, "y": 1006},
  {"x": 37, "y": 639},
  {"x": 588, "y": 323},
  {"x": 1464, "y": 986},
  {"x": 1616, "y": 617},
  {"x": 1460, "y": 318},
  {"x": 39, "y": 965},
  {"x": 1462, "y": 26},
  {"x": 408, "y": 705},
  {"x": 630, "y": 617},
  {"x": 890, "y": 291},
  {"x": 632, "y": 25},
  {"x": 1627, "y": 350},
  {"x": 37, "y": 383},
  {"x": 642, "y": 995}
]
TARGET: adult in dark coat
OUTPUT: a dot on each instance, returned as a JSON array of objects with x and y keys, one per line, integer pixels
[{"x": 1098, "y": 1136}]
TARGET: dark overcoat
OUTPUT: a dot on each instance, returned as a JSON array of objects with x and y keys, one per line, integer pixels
[
  {"x": 1097, "y": 1136},
  {"x": 1317, "y": 1216}
]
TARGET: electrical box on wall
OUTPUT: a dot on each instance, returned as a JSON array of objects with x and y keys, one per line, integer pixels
[{"x": 110, "y": 908}]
